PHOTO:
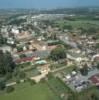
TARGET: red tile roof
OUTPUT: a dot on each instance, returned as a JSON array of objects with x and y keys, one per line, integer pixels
[
  {"x": 26, "y": 59},
  {"x": 95, "y": 79},
  {"x": 96, "y": 58}
]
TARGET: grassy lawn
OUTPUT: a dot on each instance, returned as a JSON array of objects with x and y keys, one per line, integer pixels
[
  {"x": 86, "y": 94},
  {"x": 66, "y": 71},
  {"x": 29, "y": 69},
  {"x": 24, "y": 65},
  {"x": 32, "y": 72},
  {"x": 59, "y": 87},
  {"x": 27, "y": 92}
]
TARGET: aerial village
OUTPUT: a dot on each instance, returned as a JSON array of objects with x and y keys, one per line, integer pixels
[{"x": 32, "y": 44}]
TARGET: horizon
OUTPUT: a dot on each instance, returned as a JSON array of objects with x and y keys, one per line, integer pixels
[{"x": 46, "y": 4}]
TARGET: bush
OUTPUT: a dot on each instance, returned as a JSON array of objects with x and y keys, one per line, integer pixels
[
  {"x": 98, "y": 66},
  {"x": 22, "y": 75},
  {"x": 94, "y": 97},
  {"x": 84, "y": 71},
  {"x": 70, "y": 98},
  {"x": 19, "y": 49},
  {"x": 18, "y": 81},
  {"x": 2, "y": 85},
  {"x": 32, "y": 82},
  {"x": 10, "y": 89},
  {"x": 43, "y": 80},
  {"x": 8, "y": 76},
  {"x": 58, "y": 53}
]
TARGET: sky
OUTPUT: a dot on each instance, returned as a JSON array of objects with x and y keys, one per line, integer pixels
[{"x": 46, "y": 3}]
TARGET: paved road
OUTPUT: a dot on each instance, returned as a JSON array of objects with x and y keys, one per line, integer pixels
[{"x": 59, "y": 69}]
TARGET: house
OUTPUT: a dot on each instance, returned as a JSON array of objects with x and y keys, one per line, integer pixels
[
  {"x": 41, "y": 62},
  {"x": 15, "y": 31},
  {"x": 6, "y": 48},
  {"x": 74, "y": 57},
  {"x": 24, "y": 36},
  {"x": 10, "y": 41},
  {"x": 24, "y": 60},
  {"x": 95, "y": 79},
  {"x": 29, "y": 55},
  {"x": 42, "y": 54},
  {"x": 95, "y": 57},
  {"x": 23, "y": 57},
  {"x": 43, "y": 68}
]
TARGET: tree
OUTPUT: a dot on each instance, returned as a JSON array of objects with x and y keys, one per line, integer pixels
[
  {"x": 53, "y": 36},
  {"x": 16, "y": 71},
  {"x": 6, "y": 63},
  {"x": 2, "y": 85},
  {"x": 58, "y": 53},
  {"x": 2, "y": 40},
  {"x": 69, "y": 27},
  {"x": 17, "y": 21},
  {"x": 97, "y": 46},
  {"x": 32, "y": 82},
  {"x": 84, "y": 71},
  {"x": 22, "y": 75},
  {"x": 19, "y": 49},
  {"x": 98, "y": 66},
  {"x": 91, "y": 30},
  {"x": 94, "y": 97},
  {"x": 8, "y": 76}
]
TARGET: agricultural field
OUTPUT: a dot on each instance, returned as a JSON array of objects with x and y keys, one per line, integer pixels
[{"x": 78, "y": 23}]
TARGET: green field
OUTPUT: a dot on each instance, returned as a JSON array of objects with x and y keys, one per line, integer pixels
[
  {"x": 86, "y": 94},
  {"x": 59, "y": 88},
  {"x": 25, "y": 91},
  {"x": 79, "y": 23}
]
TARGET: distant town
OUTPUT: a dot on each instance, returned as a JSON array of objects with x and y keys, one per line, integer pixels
[{"x": 52, "y": 53}]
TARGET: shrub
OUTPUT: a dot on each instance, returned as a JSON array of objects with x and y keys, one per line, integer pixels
[
  {"x": 94, "y": 97},
  {"x": 10, "y": 89},
  {"x": 18, "y": 81},
  {"x": 43, "y": 80},
  {"x": 84, "y": 71},
  {"x": 8, "y": 76},
  {"x": 32, "y": 82},
  {"x": 22, "y": 75},
  {"x": 2, "y": 85}
]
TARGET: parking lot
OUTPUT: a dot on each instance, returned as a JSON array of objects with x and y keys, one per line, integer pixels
[{"x": 78, "y": 82}]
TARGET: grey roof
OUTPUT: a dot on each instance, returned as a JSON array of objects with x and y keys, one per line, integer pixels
[{"x": 42, "y": 54}]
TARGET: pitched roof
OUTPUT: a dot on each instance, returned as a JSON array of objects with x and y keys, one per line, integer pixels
[
  {"x": 95, "y": 79},
  {"x": 26, "y": 59}
]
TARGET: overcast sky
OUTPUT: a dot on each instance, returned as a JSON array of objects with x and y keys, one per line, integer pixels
[{"x": 46, "y": 3}]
